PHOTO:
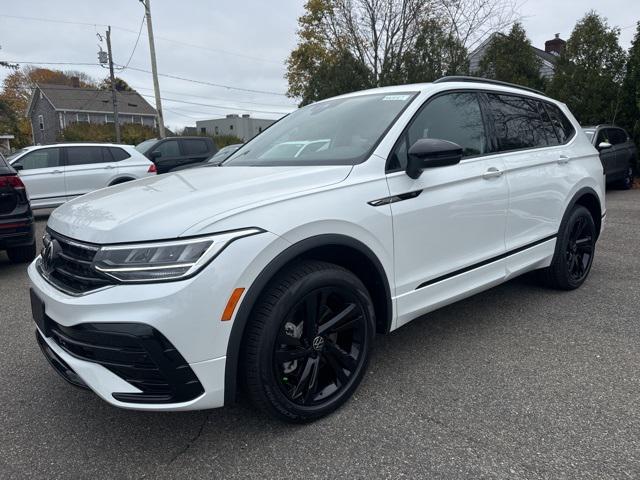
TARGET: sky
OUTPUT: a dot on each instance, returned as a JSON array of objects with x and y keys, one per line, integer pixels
[{"x": 241, "y": 44}]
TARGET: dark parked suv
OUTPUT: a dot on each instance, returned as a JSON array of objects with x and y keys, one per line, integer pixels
[
  {"x": 617, "y": 153},
  {"x": 16, "y": 219},
  {"x": 169, "y": 153}
]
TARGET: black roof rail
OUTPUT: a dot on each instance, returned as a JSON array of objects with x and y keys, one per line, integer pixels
[{"x": 462, "y": 78}]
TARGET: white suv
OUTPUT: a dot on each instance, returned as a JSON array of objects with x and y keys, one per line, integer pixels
[
  {"x": 274, "y": 274},
  {"x": 56, "y": 173}
]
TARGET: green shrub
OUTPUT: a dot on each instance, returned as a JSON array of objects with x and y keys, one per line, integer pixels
[{"x": 131, "y": 134}]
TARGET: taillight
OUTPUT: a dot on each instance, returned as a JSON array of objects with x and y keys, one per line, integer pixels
[
  {"x": 11, "y": 181},
  {"x": 152, "y": 168}
]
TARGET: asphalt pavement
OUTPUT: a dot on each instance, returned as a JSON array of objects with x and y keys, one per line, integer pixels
[{"x": 516, "y": 382}]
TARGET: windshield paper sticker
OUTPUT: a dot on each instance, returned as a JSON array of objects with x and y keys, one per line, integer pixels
[{"x": 395, "y": 98}]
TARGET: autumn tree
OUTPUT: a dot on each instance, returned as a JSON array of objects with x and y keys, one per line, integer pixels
[
  {"x": 510, "y": 58},
  {"x": 590, "y": 71},
  {"x": 121, "y": 85}
]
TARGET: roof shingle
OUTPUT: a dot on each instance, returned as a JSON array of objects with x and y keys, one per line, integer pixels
[{"x": 93, "y": 100}]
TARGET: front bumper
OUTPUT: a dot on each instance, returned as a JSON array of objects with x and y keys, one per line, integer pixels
[{"x": 186, "y": 314}]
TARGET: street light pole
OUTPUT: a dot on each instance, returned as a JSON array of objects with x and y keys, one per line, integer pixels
[
  {"x": 114, "y": 95},
  {"x": 154, "y": 68}
]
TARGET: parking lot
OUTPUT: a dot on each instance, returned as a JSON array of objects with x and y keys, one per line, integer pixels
[{"x": 516, "y": 382}]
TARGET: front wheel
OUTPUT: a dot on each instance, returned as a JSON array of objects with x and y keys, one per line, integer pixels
[
  {"x": 575, "y": 248},
  {"x": 308, "y": 343}
]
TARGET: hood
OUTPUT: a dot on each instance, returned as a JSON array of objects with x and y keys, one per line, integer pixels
[{"x": 165, "y": 206}]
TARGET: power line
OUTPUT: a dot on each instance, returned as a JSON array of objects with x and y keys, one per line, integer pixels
[
  {"x": 135, "y": 45},
  {"x": 128, "y": 30},
  {"x": 202, "y": 82},
  {"x": 222, "y": 107},
  {"x": 208, "y": 97}
]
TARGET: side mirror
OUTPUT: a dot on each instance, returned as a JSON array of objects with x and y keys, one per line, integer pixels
[
  {"x": 155, "y": 154},
  {"x": 432, "y": 153},
  {"x": 604, "y": 145},
  {"x": 18, "y": 166}
]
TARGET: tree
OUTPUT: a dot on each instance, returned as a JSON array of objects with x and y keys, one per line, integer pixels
[
  {"x": 630, "y": 95},
  {"x": 589, "y": 72},
  {"x": 378, "y": 38},
  {"x": 510, "y": 58},
  {"x": 121, "y": 85}
]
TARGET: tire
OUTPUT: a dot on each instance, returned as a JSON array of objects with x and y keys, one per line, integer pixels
[
  {"x": 575, "y": 249},
  {"x": 627, "y": 182},
  {"x": 298, "y": 370},
  {"x": 22, "y": 254}
]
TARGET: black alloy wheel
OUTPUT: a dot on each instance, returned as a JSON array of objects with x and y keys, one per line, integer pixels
[
  {"x": 319, "y": 346},
  {"x": 308, "y": 341},
  {"x": 627, "y": 182},
  {"x": 574, "y": 253}
]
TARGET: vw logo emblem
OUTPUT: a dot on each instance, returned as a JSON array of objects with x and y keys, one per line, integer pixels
[
  {"x": 50, "y": 255},
  {"x": 318, "y": 343}
]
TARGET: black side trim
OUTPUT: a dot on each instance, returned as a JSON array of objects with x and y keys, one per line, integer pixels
[
  {"x": 58, "y": 364},
  {"x": 256, "y": 288},
  {"x": 485, "y": 262},
  {"x": 394, "y": 198}
]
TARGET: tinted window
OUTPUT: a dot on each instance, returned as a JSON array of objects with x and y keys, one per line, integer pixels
[
  {"x": 84, "y": 155},
  {"x": 118, "y": 153},
  {"x": 45, "y": 158},
  {"x": 617, "y": 136},
  {"x": 517, "y": 122},
  {"x": 563, "y": 126},
  {"x": 547, "y": 125},
  {"x": 603, "y": 136},
  {"x": 195, "y": 147},
  {"x": 169, "y": 148},
  {"x": 455, "y": 117}
]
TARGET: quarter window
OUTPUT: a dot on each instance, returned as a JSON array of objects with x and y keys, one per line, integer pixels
[
  {"x": 563, "y": 126},
  {"x": 45, "y": 158},
  {"x": 84, "y": 155},
  {"x": 118, "y": 153},
  {"x": 517, "y": 122},
  {"x": 455, "y": 117}
]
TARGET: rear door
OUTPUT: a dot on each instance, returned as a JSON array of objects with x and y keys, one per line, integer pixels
[
  {"x": 43, "y": 175},
  {"x": 170, "y": 155},
  {"x": 607, "y": 155},
  {"x": 87, "y": 169},
  {"x": 195, "y": 150},
  {"x": 536, "y": 168}
]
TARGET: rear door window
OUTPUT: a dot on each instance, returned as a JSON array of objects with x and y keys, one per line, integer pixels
[
  {"x": 603, "y": 136},
  {"x": 44, "y": 158},
  {"x": 195, "y": 147},
  {"x": 169, "y": 148},
  {"x": 616, "y": 136},
  {"x": 85, "y": 156},
  {"x": 547, "y": 125},
  {"x": 517, "y": 122},
  {"x": 563, "y": 126}
]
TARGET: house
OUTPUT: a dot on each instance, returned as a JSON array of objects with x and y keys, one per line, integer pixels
[
  {"x": 54, "y": 107},
  {"x": 5, "y": 143},
  {"x": 242, "y": 126},
  {"x": 549, "y": 56}
]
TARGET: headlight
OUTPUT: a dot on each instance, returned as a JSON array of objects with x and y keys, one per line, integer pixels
[{"x": 167, "y": 260}]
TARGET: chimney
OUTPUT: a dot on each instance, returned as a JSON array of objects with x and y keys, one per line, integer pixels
[
  {"x": 75, "y": 82},
  {"x": 245, "y": 115},
  {"x": 555, "y": 46}
]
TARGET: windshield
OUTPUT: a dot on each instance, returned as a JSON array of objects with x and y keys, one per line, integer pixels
[
  {"x": 16, "y": 154},
  {"x": 224, "y": 153},
  {"x": 589, "y": 134},
  {"x": 342, "y": 131},
  {"x": 146, "y": 145}
]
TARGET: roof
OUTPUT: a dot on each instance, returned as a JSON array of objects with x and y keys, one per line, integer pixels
[
  {"x": 549, "y": 57},
  {"x": 76, "y": 99}
]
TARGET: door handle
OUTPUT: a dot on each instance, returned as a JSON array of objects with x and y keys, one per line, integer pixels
[
  {"x": 56, "y": 171},
  {"x": 563, "y": 159},
  {"x": 492, "y": 172},
  {"x": 109, "y": 167}
]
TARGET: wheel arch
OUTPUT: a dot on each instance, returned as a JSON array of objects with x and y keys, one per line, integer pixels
[
  {"x": 588, "y": 198},
  {"x": 120, "y": 180},
  {"x": 342, "y": 250}
]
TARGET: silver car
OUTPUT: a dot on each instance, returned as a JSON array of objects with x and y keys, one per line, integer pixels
[{"x": 54, "y": 174}]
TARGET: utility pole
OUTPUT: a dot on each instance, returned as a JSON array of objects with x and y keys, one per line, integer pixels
[
  {"x": 154, "y": 68},
  {"x": 114, "y": 95}
]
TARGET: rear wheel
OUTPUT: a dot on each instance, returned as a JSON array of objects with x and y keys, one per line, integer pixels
[
  {"x": 22, "y": 254},
  {"x": 575, "y": 248},
  {"x": 308, "y": 342},
  {"x": 627, "y": 181}
]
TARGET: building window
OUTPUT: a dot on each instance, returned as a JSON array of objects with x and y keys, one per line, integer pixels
[
  {"x": 41, "y": 122},
  {"x": 259, "y": 129},
  {"x": 203, "y": 130},
  {"x": 108, "y": 118},
  {"x": 230, "y": 127},
  {"x": 217, "y": 130},
  {"x": 82, "y": 117}
]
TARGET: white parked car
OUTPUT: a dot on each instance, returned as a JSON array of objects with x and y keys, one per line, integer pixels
[
  {"x": 275, "y": 273},
  {"x": 54, "y": 174}
]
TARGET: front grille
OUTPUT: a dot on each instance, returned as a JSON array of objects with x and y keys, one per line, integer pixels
[
  {"x": 70, "y": 268},
  {"x": 137, "y": 353}
]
